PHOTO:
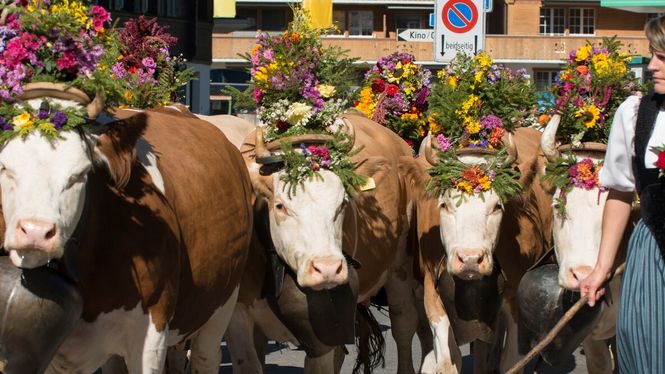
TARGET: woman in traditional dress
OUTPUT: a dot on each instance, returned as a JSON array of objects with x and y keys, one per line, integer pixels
[{"x": 632, "y": 165}]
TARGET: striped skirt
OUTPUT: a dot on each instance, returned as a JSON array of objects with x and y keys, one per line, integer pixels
[{"x": 641, "y": 321}]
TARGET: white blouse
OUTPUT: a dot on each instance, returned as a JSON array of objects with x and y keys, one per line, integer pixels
[{"x": 617, "y": 171}]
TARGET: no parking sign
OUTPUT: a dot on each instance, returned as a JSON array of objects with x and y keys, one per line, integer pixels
[{"x": 459, "y": 28}]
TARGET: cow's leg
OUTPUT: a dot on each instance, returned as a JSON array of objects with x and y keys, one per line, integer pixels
[
  {"x": 241, "y": 338},
  {"x": 403, "y": 314},
  {"x": 423, "y": 331},
  {"x": 510, "y": 354},
  {"x": 598, "y": 357},
  {"x": 446, "y": 356},
  {"x": 206, "y": 353},
  {"x": 324, "y": 364}
]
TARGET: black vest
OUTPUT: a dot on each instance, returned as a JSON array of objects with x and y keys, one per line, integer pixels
[{"x": 650, "y": 188}]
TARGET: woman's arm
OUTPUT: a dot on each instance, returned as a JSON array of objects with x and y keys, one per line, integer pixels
[{"x": 615, "y": 217}]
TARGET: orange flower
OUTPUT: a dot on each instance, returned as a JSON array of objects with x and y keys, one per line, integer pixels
[
  {"x": 495, "y": 137},
  {"x": 295, "y": 37},
  {"x": 543, "y": 119},
  {"x": 582, "y": 69},
  {"x": 472, "y": 174}
]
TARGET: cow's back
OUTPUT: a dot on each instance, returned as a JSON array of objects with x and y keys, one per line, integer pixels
[
  {"x": 382, "y": 222},
  {"x": 207, "y": 185}
]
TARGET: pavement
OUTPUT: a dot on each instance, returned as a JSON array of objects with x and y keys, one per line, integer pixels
[{"x": 282, "y": 359}]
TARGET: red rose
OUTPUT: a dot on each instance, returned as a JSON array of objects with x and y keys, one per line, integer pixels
[
  {"x": 378, "y": 85},
  {"x": 661, "y": 160},
  {"x": 392, "y": 89},
  {"x": 315, "y": 166},
  {"x": 281, "y": 125},
  {"x": 410, "y": 142}
]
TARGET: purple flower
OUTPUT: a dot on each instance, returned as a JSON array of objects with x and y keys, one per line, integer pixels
[
  {"x": 43, "y": 114},
  {"x": 443, "y": 142},
  {"x": 5, "y": 125},
  {"x": 148, "y": 62},
  {"x": 58, "y": 119},
  {"x": 118, "y": 70},
  {"x": 490, "y": 122}
]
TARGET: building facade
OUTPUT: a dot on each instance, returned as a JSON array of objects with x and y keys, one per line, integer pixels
[
  {"x": 188, "y": 20},
  {"x": 532, "y": 34}
]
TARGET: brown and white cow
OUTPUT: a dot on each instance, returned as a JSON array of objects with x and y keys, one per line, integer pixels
[
  {"x": 312, "y": 231},
  {"x": 161, "y": 206},
  {"x": 458, "y": 244},
  {"x": 577, "y": 241}
]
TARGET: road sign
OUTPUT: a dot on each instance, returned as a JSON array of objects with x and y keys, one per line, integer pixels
[
  {"x": 431, "y": 20},
  {"x": 459, "y": 28},
  {"x": 488, "y": 6},
  {"x": 416, "y": 35}
]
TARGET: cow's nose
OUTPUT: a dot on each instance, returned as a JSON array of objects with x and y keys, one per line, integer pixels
[
  {"x": 327, "y": 271},
  {"x": 471, "y": 258},
  {"x": 580, "y": 273},
  {"x": 35, "y": 233}
]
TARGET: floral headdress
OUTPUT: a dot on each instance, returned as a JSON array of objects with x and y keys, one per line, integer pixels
[
  {"x": 568, "y": 173},
  {"x": 395, "y": 95},
  {"x": 588, "y": 91},
  {"x": 60, "y": 41},
  {"x": 149, "y": 76},
  {"x": 475, "y": 101},
  {"x": 302, "y": 88},
  {"x": 473, "y": 104}
]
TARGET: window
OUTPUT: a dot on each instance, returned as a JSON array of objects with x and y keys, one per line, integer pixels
[
  {"x": 339, "y": 20},
  {"x": 361, "y": 22},
  {"x": 582, "y": 21},
  {"x": 545, "y": 80},
  {"x": 552, "y": 21},
  {"x": 273, "y": 20},
  {"x": 175, "y": 8},
  {"x": 407, "y": 20}
]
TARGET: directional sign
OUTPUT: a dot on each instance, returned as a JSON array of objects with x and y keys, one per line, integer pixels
[
  {"x": 459, "y": 28},
  {"x": 416, "y": 35},
  {"x": 431, "y": 20},
  {"x": 488, "y": 6}
]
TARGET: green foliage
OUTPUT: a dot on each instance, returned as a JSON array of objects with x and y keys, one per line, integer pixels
[{"x": 242, "y": 100}]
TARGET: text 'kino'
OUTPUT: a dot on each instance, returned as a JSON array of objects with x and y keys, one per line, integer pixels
[{"x": 414, "y": 35}]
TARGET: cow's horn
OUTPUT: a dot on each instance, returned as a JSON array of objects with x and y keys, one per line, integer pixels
[
  {"x": 512, "y": 150},
  {"x": 431, "y": 151},
  {"x": 261, "y": 153},
  {"x": 349, "y": 130},
  {"x": 548, "y": 139},
  {"x": 95, "y": 107}
]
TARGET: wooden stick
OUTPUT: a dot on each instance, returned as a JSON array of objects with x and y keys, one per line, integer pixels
[{"x": 570, "y": 313}]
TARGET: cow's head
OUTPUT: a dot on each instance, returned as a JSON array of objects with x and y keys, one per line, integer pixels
[
  {"x": 577, "y": 224},
  {"x": 44, "y": 184},
  {"x": 306, "y": 220},
  {"x": 470, "y": 223}
]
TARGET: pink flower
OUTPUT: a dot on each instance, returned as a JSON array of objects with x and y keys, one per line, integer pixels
[
  {"x": 99, "y": 17},
  {"x": 443, "y": 142},
  {"x": 66, "y": 61},
  {"x": 319, "y": 151}
]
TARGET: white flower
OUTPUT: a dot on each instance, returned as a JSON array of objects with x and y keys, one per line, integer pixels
[
  {"x": 326, "y": 90},
  {"x": 298, "y": 114}
]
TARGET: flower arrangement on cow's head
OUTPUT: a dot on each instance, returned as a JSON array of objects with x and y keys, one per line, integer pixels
[
  {"x": 395, "y": 95},
  {"x": 568, "y": 173},
  {"x": 588, "y": 91},
  {"x": 451, "y": 174},
  {"x": 300, "y": 85},
  {"x": 475, "y": 101},
  {"x": 56, "y": 41},
  {"x": 302, "y": 88},
  {"x": 150, "y": 76},
  {"x": 305, "y": 162}
]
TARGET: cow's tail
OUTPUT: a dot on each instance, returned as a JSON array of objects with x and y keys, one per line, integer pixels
[{"x": 369, "y": 341}]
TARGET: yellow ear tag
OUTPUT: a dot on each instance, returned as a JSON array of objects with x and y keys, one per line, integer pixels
[{"x": 369, "y": 185}]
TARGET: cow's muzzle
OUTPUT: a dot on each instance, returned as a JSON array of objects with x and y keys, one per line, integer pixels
[
  {"x": 324, "y": 273},
  {"x": 470, "y": 264}
]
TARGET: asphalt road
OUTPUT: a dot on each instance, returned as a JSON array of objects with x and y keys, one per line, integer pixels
[{"x": 286, "y": 360}]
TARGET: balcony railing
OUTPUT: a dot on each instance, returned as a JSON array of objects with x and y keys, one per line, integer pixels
[{"x": 547, "y": 49}]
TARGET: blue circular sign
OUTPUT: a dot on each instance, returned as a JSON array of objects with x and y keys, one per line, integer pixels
[{"x": 459, "y": 16}]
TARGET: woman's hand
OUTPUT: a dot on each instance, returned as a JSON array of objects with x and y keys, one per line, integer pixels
[{"x": 592, "y": 285}]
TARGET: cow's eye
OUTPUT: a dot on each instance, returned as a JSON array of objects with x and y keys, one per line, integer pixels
[
  {"x": 280, "y": 208},
  {"x": 497, "y": 208},
  {"x": 6, "y": 173},
  {"x": 443, "y": 205},
  {"x": 75, "y": 179}
]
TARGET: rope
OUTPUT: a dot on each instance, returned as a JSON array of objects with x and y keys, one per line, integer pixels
[{"x": 570, "y": 313}]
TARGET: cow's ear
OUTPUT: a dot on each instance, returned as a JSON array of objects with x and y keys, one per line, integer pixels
[
  {"x": 414, "y": 174},
  {"x": 116, "y": 146}
]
